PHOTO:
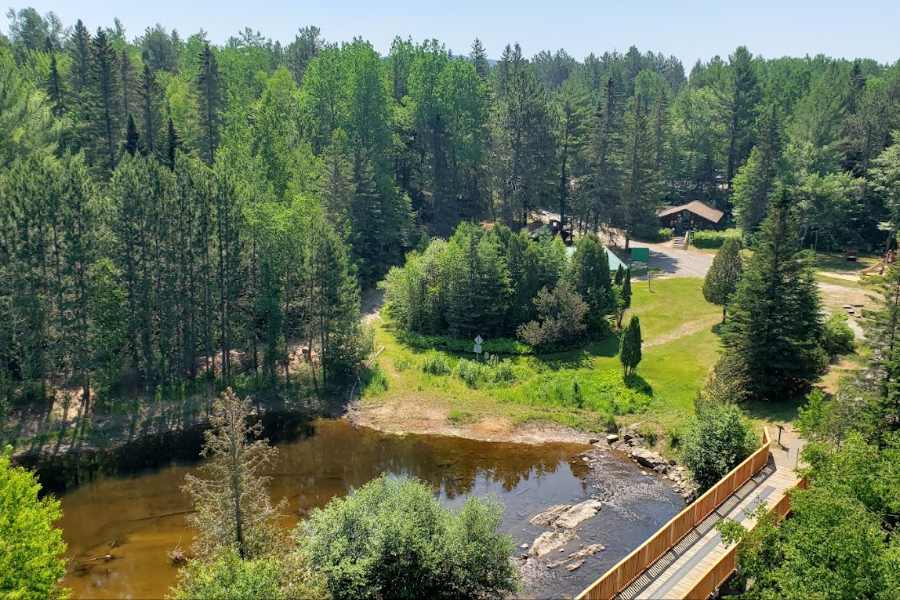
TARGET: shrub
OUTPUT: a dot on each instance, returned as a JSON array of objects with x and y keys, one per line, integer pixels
[
  {"x": 452, "y": 344},
  {"x": 714, "y": 239},
  {"x": 470, "y": 372},
  {"x": 458, "y": 417},
  {"x": 503, "y": 371},
  {"x": 837, "y": 337},
  {"x": 393, "y": 539},
  {"x": 655, "y": 236},
  {"x": 375, "y": 382},
  {"x": 562, "y": 314},
  {"x": 402, "y": 363},
  {"x": 715, "y": 441},
  {"x": 435, "y": 363},
  {"x": 228, "y": 577}
]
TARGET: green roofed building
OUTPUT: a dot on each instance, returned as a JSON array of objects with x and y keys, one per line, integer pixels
[{"x": 614, "y": 261}]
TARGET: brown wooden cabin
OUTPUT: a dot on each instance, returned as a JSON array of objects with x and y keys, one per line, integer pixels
[{"x": 691, "y": 216}]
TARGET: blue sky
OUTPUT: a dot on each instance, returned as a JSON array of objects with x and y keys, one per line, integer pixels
[{"x": 689, "y": 29}]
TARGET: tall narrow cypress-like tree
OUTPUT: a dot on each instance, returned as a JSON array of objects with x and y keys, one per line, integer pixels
[
  {"x": 775, "y": 322},
  {"x": 132, "y": 137},
  {"x": 209, "y": 104},
  {"x": 173, "y": 143},
  {"x": 630, "y": 346}
]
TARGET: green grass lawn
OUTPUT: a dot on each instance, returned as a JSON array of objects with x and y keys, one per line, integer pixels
[
  {"x": 679, "y": 349},
  {"x": 835, "y": 261}
]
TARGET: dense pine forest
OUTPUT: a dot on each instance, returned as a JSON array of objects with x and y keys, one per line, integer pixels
[{"x": 171, "y": 208}]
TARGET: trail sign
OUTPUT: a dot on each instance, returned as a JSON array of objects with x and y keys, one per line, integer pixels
[
  {"x": 640, "y": 255},
  {"x": 478, "y": 340}
]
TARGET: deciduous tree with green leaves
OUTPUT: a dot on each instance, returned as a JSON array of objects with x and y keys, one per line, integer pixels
[
  {"x": 715, "y": 441},
  {"x": 31, "y": 548},
  {"x": 724, "y": 275}
]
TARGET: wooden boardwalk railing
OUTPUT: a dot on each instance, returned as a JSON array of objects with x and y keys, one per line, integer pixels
[
  {"x": 726, "y": 566},
  {"x": 632, "y": 566}
]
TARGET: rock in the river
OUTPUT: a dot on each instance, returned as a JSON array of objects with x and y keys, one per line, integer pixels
[
  {"x": 589, "y": 551},
  {"x": 578, "y": 513},
  {"x": 574, "y": 566},
  {"x": 557, "y": 563},
  {"x": 550, "y": 541},
  {"x": 524, "y": 546},
  {"x": 612, "y": 438},
  {"x": 549, "y": 516},
  {"x": 647, "y": 458},
  {"x": 593, "y": 440}
]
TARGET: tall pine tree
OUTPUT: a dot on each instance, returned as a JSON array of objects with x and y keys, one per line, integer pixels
[{"x": 775, "y": 324}]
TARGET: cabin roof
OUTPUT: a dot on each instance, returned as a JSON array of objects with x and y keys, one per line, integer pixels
[{"x": 698, "y": 208}]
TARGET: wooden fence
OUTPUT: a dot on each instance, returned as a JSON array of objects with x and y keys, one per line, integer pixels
[
  {"x": 632, "y": 566},
  {"x": 726, "y": 566}
]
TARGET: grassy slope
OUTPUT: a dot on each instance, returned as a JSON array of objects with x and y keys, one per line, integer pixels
[{"x": 680, "y": 347}]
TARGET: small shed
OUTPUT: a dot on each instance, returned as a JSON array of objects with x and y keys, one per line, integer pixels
[{"x": 690, "y": 216}]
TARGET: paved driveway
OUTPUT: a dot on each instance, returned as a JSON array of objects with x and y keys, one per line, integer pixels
[{"x": 677, "y": 262}]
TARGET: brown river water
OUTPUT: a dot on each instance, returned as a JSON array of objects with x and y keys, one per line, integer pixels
[{"x": 128, "y": 503}]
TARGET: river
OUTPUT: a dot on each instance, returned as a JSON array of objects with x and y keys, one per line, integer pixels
[{"x": 127, "y": 503}]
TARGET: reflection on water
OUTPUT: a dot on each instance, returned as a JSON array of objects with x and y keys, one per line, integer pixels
[{"x": 138, "y": 518}]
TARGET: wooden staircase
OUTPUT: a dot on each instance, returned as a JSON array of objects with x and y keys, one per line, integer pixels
[{"x": 679, "y": 241}]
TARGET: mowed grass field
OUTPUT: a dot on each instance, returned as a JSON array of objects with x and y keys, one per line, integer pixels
[{"x": 582, "y": 389}]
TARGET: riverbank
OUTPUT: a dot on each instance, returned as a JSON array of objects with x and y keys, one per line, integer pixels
[
  {"x": 138, "y": 516},
  {"x": 58, "y": 427},
  {"x": 569, "y": 396}
]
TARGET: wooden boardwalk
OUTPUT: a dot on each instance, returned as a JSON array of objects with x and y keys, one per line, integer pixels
[
  {"x": 686, "y": 557},
  {"x": 675, "y": 573}
]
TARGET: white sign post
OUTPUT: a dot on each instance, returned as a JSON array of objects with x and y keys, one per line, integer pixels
[{"x": 478, "y": 342}]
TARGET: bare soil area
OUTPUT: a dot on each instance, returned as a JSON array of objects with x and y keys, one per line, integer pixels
[{"x": 412, "y": 416}]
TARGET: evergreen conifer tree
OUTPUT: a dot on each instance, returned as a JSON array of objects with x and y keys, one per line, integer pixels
[
  {"x": 883, "y": 334},
  {"x": 209, "y": 96},
  {"x": 630, "y": 346},
  {"x": 775, "y": 323},
  {"x": 755, "y": 184},
  {"x": 479, "y": 57},
  {"x": 150, "y": 100},
  {"x": 132, "y": 138},
  {"x": 106, "y": 103}
]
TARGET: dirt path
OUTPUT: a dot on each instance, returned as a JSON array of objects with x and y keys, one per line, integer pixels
[
  {"x": 371, "y": 301},
  {"x": 688, "y": 328}
]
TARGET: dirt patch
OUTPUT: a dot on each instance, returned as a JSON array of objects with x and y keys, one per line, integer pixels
[
  {"x": 410, "y": 415},
  {"x": 837, "y": 370},
  {"x": 370, "y": 304},
  {"x": 492, "y": 428}
]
